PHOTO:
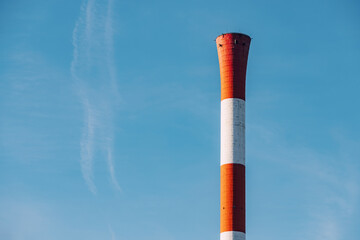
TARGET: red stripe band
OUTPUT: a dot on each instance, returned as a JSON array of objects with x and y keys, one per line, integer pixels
[
  {"x": 232, "y": 198},
  {"x": 233, "y": 50}
]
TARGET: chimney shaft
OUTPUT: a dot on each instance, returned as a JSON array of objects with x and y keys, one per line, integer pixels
[{"x": 233, "y": 49}]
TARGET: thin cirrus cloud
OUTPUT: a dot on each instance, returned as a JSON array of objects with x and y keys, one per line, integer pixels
[
  {"x": 94, "y": 75},
  {"x": 334, "y": 191}
]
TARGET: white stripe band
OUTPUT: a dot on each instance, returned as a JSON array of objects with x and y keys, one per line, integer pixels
[
  {"x": 232, "y": 235},
  {"x": 232, "y": 131}
]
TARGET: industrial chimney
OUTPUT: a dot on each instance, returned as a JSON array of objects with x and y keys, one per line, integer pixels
[{"x": 233, "y": 49}]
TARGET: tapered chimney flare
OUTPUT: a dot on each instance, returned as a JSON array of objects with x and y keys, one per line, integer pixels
[{"x": 233, "y": 49}]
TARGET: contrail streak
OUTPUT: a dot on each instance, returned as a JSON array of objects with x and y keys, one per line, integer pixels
[
  {"x": 112, "y": 170},
  {"x": 87, "y": 146},
  {"x": 94, "y": 74}
]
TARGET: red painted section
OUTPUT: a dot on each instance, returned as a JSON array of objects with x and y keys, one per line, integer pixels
[
  {"x": 233, "y": 50},
  {"x": 232, "y": 198}
]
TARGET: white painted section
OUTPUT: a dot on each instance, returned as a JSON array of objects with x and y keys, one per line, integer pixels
[
  {"x": 232, "y": 235},
  {"x": 232, "y": 131}
]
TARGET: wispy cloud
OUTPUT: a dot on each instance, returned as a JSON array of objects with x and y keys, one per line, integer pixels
[
  {"x": 112, "y": 233},
  {"x": 87, "y": 145},
  {"x": 25, "y": 219},
  {"x": 334, "y": 187},
  {"x": 94, "y": 74},
  {"x": 326, "y": 228},
  {"x": 112, "y": 169}
]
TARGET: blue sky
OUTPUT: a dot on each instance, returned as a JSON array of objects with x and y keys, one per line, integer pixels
[{"x": 110, "y": 119}]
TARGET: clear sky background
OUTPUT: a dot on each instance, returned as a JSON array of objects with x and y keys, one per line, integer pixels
[{"x": 110, "y": 119}]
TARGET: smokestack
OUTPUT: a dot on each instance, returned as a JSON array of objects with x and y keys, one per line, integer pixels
[{"x": 233, "y": 49}]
